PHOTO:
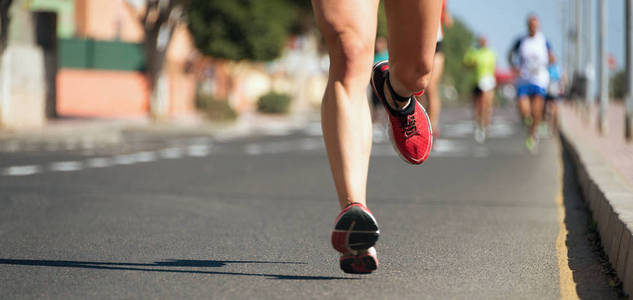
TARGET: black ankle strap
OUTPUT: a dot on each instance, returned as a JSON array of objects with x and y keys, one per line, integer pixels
[{"x": 395, "y": 95}]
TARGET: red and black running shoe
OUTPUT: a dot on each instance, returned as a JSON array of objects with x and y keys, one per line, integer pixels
[
  {"x": 363, "y": 263},
  {"x": 355, "y": 232},
  {"x": 410, "y": 128}
]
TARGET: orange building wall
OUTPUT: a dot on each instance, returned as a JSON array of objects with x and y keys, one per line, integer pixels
[
  {"x": 100, "y": 93},
  {"x": 104, "y": 93},
  {"x": 182, "y": 82},
  {"x": 182, "y": 90},
  {"x": 107, "y": 20}
]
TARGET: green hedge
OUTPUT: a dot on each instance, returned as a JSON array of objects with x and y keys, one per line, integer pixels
[
  {"x": 274, "y": 103},
  {"x": 215, "y": 109}
]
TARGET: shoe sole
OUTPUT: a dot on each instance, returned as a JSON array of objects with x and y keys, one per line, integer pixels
[
  {"x": 355, "y": 231},
  {"x": 359, "y": 264},
  {"x": 390, "y": 129}
]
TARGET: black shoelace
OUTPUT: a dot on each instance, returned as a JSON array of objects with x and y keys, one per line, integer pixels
[{"x": 409, "y": 127}]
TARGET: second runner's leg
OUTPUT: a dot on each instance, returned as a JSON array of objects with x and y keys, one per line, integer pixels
[
  {"x": 412, "y": 33},
  {"x": 433, "y": 93}
]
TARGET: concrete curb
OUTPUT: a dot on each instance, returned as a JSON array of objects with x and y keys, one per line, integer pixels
[{"x": 610, "y": 197}]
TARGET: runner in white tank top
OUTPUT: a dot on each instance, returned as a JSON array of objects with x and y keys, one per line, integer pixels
[{"x": 529, "y": 58}]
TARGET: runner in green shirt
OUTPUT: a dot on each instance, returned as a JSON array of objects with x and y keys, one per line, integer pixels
[{"x": 482, "y": 61}]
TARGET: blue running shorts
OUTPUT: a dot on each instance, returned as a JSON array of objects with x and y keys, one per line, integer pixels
[{"x": 530, "y": 89}]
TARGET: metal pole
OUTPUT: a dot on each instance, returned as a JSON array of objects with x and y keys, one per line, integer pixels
[
  {"x": 604, "y": 71},
  {"x": 571, "y": 36},
  {"x": 628, "y": 119},
  {"x": 568, "y": 42},
  {"x": 566, "y": 25},
  {"x": 578, "y": 38},
  {"x": 589, "y": 46}
]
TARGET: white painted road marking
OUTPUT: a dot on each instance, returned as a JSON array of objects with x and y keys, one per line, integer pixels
[
  {"x": 66, "y": 166},
  {"x": 22, "y": 170},
  {"x": 145, "y": 156},
  {"x": 99, "y": 162},
  {"x": 198, "y": 150},
  {"x": 193, "y": 150},
  {"x": 253, "y": 149},
  {"x": 171, "y": 153},
  {"x": 498, "y": 129},
  {"x": 201, "y": 147},
  {"x": 124, "y": 159}
]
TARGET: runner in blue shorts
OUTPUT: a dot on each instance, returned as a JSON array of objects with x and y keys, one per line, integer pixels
[
  {"x": 554, "y": 94},
  {"x": 529, "y": 58}
]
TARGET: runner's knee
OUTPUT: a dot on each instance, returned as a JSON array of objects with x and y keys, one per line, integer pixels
[
  {"x": 350, "y": 56},
  {"x": 414, "y": 76}
]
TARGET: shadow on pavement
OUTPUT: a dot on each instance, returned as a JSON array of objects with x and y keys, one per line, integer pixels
[
  {"x": 586, "y": 259},
  {"x": 144, "y": 267}
]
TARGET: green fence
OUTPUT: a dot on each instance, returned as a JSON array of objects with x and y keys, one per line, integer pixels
[{"x": 106, "y": 55}]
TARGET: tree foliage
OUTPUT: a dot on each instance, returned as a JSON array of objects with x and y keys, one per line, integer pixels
[
  {"x": 457, "y": 40},
  {"x": 302, "y": 17},
  {"x": 242, "y": 29},
  {"x": 382, "y": 21},
  {"x": 4, "y": 23},
  {"x": 617, "y": 86}
]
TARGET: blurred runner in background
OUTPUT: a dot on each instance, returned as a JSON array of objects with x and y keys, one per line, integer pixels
[
  {"x": 434, "y": 103},
  {"x": 482, "y": 61},
  {"x": 555, "y": 91},
  {"x": 529, "y": 57},
  {"x": 381, "y": 53},
  {"x": 349, "y": 30}
]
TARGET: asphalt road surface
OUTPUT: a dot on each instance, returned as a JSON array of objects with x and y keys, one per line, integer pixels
[{"x": 200, "y": 217}]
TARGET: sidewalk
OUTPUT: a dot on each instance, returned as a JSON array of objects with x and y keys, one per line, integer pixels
[
  {"x": 610, "y": 145},
  {"x": 604, "y": 168},
  {"x": 80, "y": 129},
  {"x": 248, "y": 123},
  {"x": 111, "y": 130}
]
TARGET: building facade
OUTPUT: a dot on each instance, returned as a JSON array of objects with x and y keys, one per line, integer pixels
[{"x": 94, "y": 63}]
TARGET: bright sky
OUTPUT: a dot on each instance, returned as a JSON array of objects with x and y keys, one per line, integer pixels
[{"x": 502, "y": 21}]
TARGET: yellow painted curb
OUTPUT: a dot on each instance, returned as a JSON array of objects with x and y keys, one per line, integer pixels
[{"x": 566, "y": 277}]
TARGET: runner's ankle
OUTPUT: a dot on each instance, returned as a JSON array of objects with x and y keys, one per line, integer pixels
[{"x": 393, "y": 99}]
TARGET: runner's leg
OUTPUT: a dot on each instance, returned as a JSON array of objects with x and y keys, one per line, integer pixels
[
  {"x": 537, "y": 102},
  {"x": 433, "y": 93},
  {"x": 486, "y": 110},
  {"x": 412, "y": 32},
  {"x": 524, "y": 106},
  {"x": 480, "y": 115},
  {"x": 477, "y": 103},
  {"x": 349, "y": 29},
  {"x": 554, "y": 115}
]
